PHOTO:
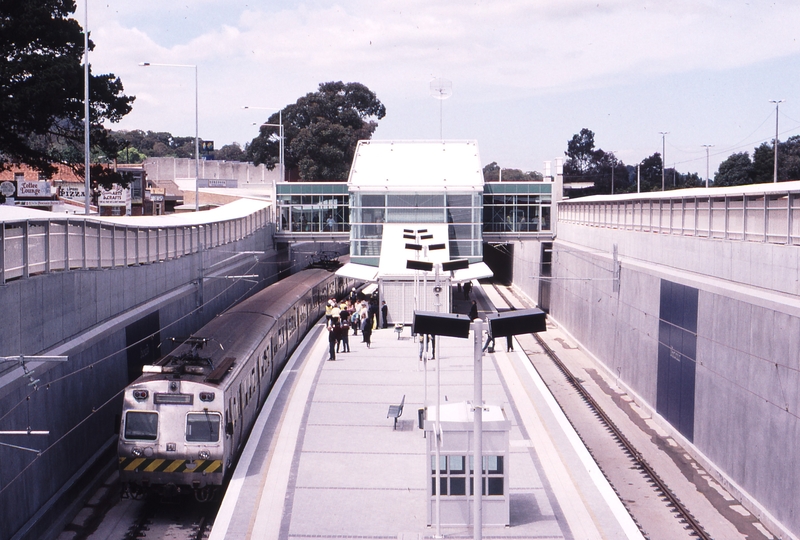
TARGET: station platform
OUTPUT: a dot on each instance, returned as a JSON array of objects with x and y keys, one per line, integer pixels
[{"x": 323, "y": 460}]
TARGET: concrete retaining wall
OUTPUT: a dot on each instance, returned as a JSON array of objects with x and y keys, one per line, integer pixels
[{"x": 745, "y": 374}]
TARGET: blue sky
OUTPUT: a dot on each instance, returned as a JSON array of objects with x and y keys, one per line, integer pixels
[{"x": 526, "y": 75}]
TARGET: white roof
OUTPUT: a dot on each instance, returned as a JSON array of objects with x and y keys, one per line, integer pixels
[
  {"x": 361, "y": 272},
  {"x": 416, "y": 165}
]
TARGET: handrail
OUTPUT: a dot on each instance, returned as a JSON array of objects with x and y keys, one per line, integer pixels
[
  {"x": 767, "y": 213},
  {"x": 41, "y": 242}
]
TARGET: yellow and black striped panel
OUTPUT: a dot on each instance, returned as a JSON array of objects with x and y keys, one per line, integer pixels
[{"x": 170, "y": 465}]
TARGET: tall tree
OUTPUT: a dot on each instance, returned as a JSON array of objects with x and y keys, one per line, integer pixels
[
  {"x": 586, "y": 164},
  {"x": 736, "y": 170},
  {"x": 321, "y": 131},
  {"x": 41, "y": 88},
  {"x": 650, "y": 171}
]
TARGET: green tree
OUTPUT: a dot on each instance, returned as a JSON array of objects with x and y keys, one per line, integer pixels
[
  {"x": 580, "y": 154},
  {"x": 650, "y": 173},
  {"x": 736, "y": 170},
  {"x": 231, "y": 152},
  {"x": 321, "y": 131},
  {"x": 41, "y": 89},
  {"x": 491, "y": 173},
  {"x": 586, "y": 164}
]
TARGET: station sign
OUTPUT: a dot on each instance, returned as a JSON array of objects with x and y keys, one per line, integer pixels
[{"x": 217, "y": 183}]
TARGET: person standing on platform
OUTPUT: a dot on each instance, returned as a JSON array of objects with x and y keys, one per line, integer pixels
[
  {"x": 467, "y": 289},
  {"x": 345, "y": 335},
  {"x": 332, "y": 332},
  {"x": 509, "y": 343},
  {"x": 335, "y": 311},
  {"x": 366, "y": 330},
  {"x": 473, "y": 311},
  {"x": 328, "y": 309},
  {"x": 421, "y": 339},
  {"x": 489, "y": 337},
  {"x": 385, "y": 314},
  {"x": 355, "y": 320}
]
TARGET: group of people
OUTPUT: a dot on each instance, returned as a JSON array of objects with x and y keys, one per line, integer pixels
[{"x": 353, "y": 313}]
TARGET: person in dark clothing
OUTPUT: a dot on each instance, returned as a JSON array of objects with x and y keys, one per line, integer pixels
[
  {"x": 344, "y": 334},
  {"x": 333, "y": 331},
  {"x": 509, "y": 343},
  {"x": 372, "y": 314},
  {"x": 467, "y": 289},
  {"x": 366, "y": 330},
  {"x": 385, "y": 314},
  {"x": 473, "y": 311}
]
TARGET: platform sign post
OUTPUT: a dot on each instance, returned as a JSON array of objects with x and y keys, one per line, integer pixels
[{"x": 477, "y": 412}]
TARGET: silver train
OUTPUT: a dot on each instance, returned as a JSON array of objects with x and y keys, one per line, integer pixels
[{"x": 185, "y": 420}]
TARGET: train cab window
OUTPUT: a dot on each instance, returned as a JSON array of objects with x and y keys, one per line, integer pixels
[
  {"x": 202, "y": 427},
  {"x": 140, "y": 425}
]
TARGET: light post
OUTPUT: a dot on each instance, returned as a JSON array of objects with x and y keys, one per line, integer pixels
[
  {"x": 707, "y": 146},
  {"x": 196, "y": 129},
  {"x": 663, "y": 152},
  {"x": 87, "y": 173},
  {"x": 279, "y": 125},
  {"x": 775, "y": 172}
]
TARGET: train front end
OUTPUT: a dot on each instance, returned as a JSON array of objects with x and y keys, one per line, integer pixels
[{"x": 171, "y": 437}]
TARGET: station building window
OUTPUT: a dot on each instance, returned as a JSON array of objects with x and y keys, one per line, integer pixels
[{"x": 460, "y": 210}]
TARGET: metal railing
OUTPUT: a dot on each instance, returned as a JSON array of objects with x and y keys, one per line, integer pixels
[
  {"x": 36, "y": 246},
  {"x": 768, "y": 213}
]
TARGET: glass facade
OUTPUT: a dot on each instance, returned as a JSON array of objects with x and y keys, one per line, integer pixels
[
  {"x": 312, "y": 207},
  {"x": 512, "y": 207},
  {"x": 460, "y": 210}
]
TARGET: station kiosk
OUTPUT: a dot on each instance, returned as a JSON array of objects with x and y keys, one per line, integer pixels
[{"x": 456, "y": 464}]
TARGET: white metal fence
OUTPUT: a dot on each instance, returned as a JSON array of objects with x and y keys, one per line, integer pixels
[
  {"x": 35, "y": 246},
  {"x": 758, "y": 213}
]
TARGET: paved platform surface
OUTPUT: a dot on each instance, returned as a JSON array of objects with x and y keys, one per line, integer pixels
[{"x": 324, "y": 462}]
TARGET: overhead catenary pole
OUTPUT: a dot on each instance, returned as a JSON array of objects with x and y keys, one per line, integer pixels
[
  {"x": 775, "y": 166},
  {"x": 707, "y": 146},
  {"x": 663, "y": 155},
  {"x": 196, "y": 128}
]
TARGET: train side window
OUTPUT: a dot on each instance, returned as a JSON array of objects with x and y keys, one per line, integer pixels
[
  {"x": 202, "y": 427},
  {"x": 140, "y": 425}
]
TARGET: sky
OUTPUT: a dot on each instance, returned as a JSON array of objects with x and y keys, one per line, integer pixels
[{"x": 526, "y": 75}]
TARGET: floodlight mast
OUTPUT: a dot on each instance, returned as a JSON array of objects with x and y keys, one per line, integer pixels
[{"x": 196, "y": 128}]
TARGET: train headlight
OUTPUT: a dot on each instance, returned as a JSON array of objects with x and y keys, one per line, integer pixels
[
  {"x": 206, "y": 396},
  {"x": 140, "y": 395},
  {"x": 204, "y": 454},
  {"x": 137, "y": 451}
]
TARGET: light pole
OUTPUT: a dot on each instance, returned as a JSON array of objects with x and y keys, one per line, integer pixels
[
  {"x": 279, "y": 125},
  {"x": 775, "y": 172},
  {"x": 196, "y": 129},
  {"x": 663, "y": 151},
  {"x": 707, "y": 146},
  {"x": 87, "y": 173}
]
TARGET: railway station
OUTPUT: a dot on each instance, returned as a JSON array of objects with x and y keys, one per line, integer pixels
[{"x": 673, "y": 308}]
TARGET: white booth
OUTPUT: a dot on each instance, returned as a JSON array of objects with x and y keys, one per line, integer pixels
[{"x": 456, "y": 464}]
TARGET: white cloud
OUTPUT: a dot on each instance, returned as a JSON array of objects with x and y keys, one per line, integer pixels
[{"x": 272, "y": 53}]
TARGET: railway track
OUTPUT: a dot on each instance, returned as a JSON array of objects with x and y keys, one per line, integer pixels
[{"x": 670, "y": 502}]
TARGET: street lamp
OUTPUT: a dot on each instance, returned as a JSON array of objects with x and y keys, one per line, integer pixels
[
  {"x": 279, "y": 125},
  {"x": 87, "y": 172},
  {"x": 196, "y": 129},
  {"x": 775, "y": 173},
  {"x": 707, "y": 146},
  {"x": 663, "y": 152}
]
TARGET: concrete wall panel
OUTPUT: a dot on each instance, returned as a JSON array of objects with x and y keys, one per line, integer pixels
[{"x": 747, "y": 387}]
